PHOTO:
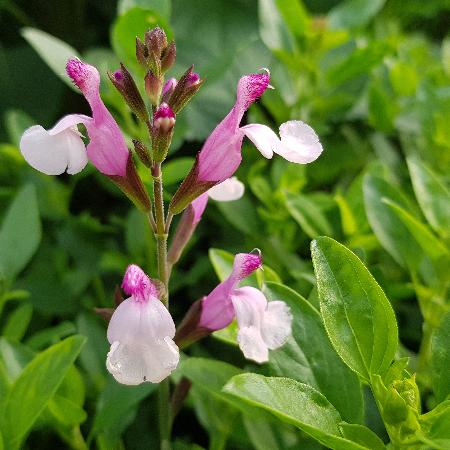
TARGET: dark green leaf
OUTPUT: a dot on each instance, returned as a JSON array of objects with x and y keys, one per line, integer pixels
[
  {"x": 308, "y": 215},
  {"x": 354, "y": 13},
  {"x": 20, "y": 233},
  {"x": 389, "y": 229},
  {"x": 432, "y": 195}
]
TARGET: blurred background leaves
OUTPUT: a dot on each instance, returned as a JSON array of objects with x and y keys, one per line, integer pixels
[{"x": 372, "y": 77}]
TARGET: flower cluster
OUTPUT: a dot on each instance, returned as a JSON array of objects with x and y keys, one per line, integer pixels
[{"x": 144, "y": 340}]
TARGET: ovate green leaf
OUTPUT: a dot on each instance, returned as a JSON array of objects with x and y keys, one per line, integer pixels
[
  {"x": 357, "y": 315},
  {"x": 295, "y": 403},
  {"x": 309, "y": 357}
]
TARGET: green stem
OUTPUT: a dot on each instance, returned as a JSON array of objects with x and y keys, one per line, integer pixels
[{"x": 165, "y": 421}]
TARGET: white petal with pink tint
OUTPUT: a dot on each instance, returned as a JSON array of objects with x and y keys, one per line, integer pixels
[
  {"x": 262, "y": 325},
  {"x": 227, "y": 191},
  {"x": 55, "y": 151},
  {"x": 299, "y": 142},
  {"x": 263, "y": 137},
  {"x": 141, "y": 337}
]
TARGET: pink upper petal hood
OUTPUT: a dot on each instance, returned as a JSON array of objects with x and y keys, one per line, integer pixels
[
  {"x": 107, "y": 149},
  {"x": 217, "y": 307},
  {"x": 221, "y": 154}
]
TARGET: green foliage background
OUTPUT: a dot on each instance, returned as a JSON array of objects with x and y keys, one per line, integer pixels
[{"x": 373, "y": 79}]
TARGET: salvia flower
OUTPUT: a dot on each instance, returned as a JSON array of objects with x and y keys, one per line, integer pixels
[
  {"x": 61, "y": 148},
  {"x": 221, "y": 156},
  {"x": 141, "y": 333},
  {"x": 262, "y": 325}
]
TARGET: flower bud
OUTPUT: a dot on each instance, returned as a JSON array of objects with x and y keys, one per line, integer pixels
[
  {"x": 153, "y": 87},
  {"x": 162, "y": 131},
  {"x": 186, "y": 88},
  {"x": 141, "y": 52},
  {"x": 168, "y": 57},
  {"x": 156, "y": 41},
  {"x": 124, "y": 83},
  {"x": 168, "y": 89},
  {"x": 143, "y": 153}
]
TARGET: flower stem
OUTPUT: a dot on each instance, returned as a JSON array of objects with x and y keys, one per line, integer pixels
[
  {"x": 161, "y": 233},
  {"x": 165, "y": 419}
]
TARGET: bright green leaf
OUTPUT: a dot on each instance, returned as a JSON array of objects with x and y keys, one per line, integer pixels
[
  {"x": 295, "y": 403},
  {"x": 309, "y": 357},
  {"x": 18, "y": 321},
  {"x": 357, "y": 315},
  {"x": 162, "y": 7},
  {"x": 35, "y": 387},
  {"x": 362, "y": 435}
]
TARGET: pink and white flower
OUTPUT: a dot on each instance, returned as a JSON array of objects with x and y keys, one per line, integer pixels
[
  {"x": 62, "y": 149},
  {"x": 141, "y": 333},
  {"x": 263, "y": 325}
]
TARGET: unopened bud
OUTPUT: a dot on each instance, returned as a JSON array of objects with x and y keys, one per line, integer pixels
[
  {"x": 153, "y": 87},
  {"x": 162, "y": 131},
  {"x": 156, "y": 41},
  {"x": 187, "y": 87},
  {"x": 168, "y": 89},
  {"x": 141, "y": 52},
  {"x": 124, "y": 83},
  {"x": 143, "y": 153},
  {"x": 168, "y": 57}
]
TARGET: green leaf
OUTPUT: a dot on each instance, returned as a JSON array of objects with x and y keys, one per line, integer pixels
[
  {"x": 162, "y": 7},
  {"x": 295, "y": 403},
  {"x": 66, "y": 411},
  {"x": 309, "y": 357},
  {"x": 430, "y": 244},
  {"x": 354, "y": 13},
  {"x": 53, "y": 51},
  {"x": 436, "y": 425},
  {"x": 308, "y": 215},
  {"x": 20, "y": 233},
  {"x": 272, "y": 27},
  {"x": 358, "y": 317},
  {"x": 135, "y": 22},
  {"x": 208, "y": 374},
  {"x": 440, "y": 359},
  {"x": 393, "y": 235},
  {"x": 432, "y": 195},
  {"x": 35, "y": 386},
  {"x": 117, "y": 406},
  {"x": 175, "y": 170},
  {"x": 18, "y": 321},
  {"x": 362, "y": 435}
]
